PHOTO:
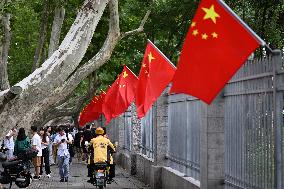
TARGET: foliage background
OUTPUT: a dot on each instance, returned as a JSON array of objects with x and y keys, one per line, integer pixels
[{"x": 166, "y": 27}]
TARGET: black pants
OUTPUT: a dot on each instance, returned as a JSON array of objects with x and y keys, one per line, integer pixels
[
  {"x": 111, "y": 171},
  {"x": 45, "y": 160}
]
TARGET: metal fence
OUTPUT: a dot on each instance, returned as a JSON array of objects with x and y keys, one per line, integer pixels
[
  {"x": 253, "y": 119},
  {"x": 184, "y": 134},
  {"x": 113, "y": 130},
  {"x": 147, "y": 133}
]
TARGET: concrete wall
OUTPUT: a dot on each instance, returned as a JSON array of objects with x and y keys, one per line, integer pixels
[
  {"x": 168, "y": 178},
  {"x": 124, "y": 160},
  {"x": 143, "y": 171}
]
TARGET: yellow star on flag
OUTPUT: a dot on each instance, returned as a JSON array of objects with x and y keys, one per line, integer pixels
[
  {"x": 204, "y": 36},
  {"x": 124, "y": 74},
  {"x": 214, "y": 35},
  {"x": 210, "y": 14},
  {"x": 195, "y": 32},
  {"x": 144, "y": 65},
  {"x": 193, "y": 24},
  {"x": 150, "y": 57}
]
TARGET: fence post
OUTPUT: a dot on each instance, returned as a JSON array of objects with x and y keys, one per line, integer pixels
[
  {"x": 161, "y": 129},
  {"x": 212, "y": 147},
  {"x": 136, "y": 138},
  {"x": 277, "y": 117}
]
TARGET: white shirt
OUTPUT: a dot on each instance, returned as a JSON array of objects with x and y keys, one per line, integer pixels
[
  {"x": 9, "y": 142},
  {"x": 43, "y": 146},
  {"x": 62, "y": 148},
  {"x": 36, "y": 141}
]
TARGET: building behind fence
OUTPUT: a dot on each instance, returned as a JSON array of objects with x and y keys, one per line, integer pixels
[{"x": 237, "y": 142}]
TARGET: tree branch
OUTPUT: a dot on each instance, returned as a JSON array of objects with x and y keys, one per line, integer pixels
[
  {"x": 141, "y": 27},
  {"x": 104, "y": 54}
]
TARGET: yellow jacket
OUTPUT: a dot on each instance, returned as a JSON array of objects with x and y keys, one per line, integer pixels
[{"x": 100, "y": 145}]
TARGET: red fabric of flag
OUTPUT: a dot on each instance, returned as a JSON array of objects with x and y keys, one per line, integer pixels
[
  {"x": 215, "y": 47},
  {"x": 120, "y": 95},
  {"x": 155, "y": 74},
  {"x": 89, "y": 114},
  {"x": 97, "y": 105}
]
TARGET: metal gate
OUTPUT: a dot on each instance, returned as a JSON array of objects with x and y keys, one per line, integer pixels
[{"x": 253, "y": 126}]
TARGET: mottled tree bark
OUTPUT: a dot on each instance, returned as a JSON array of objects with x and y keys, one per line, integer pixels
[
  {"x": 59, "y": 15},
  {"x": 60, "y": 74}
]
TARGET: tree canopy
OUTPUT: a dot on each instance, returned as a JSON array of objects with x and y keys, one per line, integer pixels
[{"x": 166, "y": 27}]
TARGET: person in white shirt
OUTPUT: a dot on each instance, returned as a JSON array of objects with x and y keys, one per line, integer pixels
[
  {"x": 63, "y": 154},
  {"x": 9, "y": 143},
  {"x": 45, "y": 152},
  {"x": 36, "y": 144}
]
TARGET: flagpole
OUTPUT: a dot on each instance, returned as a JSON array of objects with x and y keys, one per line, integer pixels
[
  {"x": 261, "y": 41},
  {"x": 131, "y": 71},
  {"x": 162, "y": 54}
]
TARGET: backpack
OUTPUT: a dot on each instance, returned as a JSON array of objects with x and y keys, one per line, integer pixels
[{"x": 22, "y": 146}]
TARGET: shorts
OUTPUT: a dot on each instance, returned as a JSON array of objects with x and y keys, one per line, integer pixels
[{"x": 37, "y": 161}]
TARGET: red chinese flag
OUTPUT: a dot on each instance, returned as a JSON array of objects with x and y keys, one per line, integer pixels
[
  {"x": 155, "y": 74},
  {"x": 120, "y": 95},
  {"x": 217, "y": 45},
  {"x": 88, "y": 114},
  {"x": 97, "y": 107}
]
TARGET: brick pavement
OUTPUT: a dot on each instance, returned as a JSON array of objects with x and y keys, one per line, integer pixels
[{"x": 78, "y": 180}]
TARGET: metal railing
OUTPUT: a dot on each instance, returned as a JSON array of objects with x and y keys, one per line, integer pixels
[
  {"x": 184, "y": 135},
  {"x": 250, "y": 127},
  {"x": 127, "y": 131},
  {"x": 147, "y": 134}
]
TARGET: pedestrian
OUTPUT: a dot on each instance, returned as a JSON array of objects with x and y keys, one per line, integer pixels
[
  {"x": 77, "y": 144},
  {"x": 9, "y": 143},
  {"x": 48, "y": 131},
  {"x": 36, "y": 144},
  {"x": 87, "y": 137},
  {"x": 62, "y": 154},
  {"x": 22, "y": 143},
  {"x": 70, "y": 145},
  {"x": 54, "y": 147},
  {"x": 45, "y": 152}
]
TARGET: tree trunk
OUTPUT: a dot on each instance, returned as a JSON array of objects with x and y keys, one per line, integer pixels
[
  {"x": 4, "y": 49},
  {"x": 61, "y": 73},
  {"x": 42, "y": 35},
  {"x": 70, "y": 106},
  {"x": 59, "y": 14}
]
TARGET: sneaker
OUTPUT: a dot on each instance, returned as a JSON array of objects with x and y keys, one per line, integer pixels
[
  {"x": 66, "y": 179},
  {"x": 48, "y": 176},
  {"x": 36, "y": 177},
  {"x": 61, "y": 180}
]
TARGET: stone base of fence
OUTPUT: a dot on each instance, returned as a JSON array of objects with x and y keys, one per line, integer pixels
[
  {"x": 157, "y": 177},
  {"x": 168, "y": 178}
]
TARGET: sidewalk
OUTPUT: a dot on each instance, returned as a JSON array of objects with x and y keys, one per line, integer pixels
[{"x": 78, "y": 180}]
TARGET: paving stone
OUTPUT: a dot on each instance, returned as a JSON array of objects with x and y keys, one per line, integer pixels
[{"x": 78, "y": 180}]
